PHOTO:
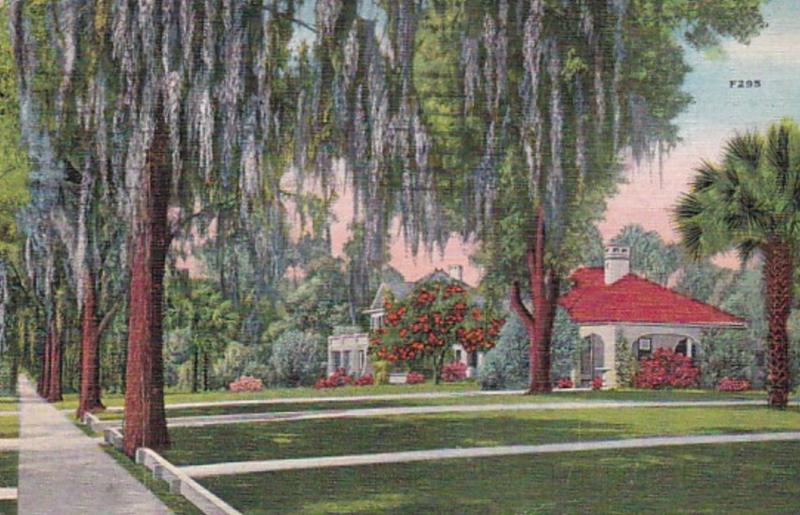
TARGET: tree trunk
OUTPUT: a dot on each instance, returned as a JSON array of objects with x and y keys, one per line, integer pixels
[
  {"x": 90, "y": 352},
  {"x": 195, "y": 370},
  {"x": 145, "y": 419},
  {"x": 205, "y": 371},
  {"x": 44, "y": 376},
  {"x": 54, "y": 373},
  {"x": 544, "y": 289},
  {"x": 778, "y": 278}
]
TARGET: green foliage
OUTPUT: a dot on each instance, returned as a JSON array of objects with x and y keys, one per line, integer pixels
[
  {"x": 650, "y": 256},
  {"x": 297, "y": 359},
  {"x": 626, "y": 364},
  {"x": 725, "y": 353},
  {"x": 382, "y": 369}
]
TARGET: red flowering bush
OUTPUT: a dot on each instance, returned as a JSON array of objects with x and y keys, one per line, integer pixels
[
  {"x": 365, "y": 380},
  {"x": 427, "y": 323},
  {"x": 564, "y": 382},
  {"x": 246, "y": 384},
  {"x": 453, "y": 372},
  {"x": 338, "y": 378},
  {"x": 415, "y": 378},
  {"x": 666, "y": 369},
  {"x": 734, "y": 385},
  {"x": 597, "y": 383}
]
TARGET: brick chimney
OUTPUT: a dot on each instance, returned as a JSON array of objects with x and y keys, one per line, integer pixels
[{"x": 617, "y": 263}]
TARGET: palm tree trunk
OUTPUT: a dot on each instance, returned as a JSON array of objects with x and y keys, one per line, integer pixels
[
  {"x": 778, "y": 277},
  {"x": 195, "y": 370},
  {"x": 145, "y": 418}
]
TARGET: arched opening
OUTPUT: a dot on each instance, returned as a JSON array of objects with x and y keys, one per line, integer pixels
[{"x": 645, "y": 345}]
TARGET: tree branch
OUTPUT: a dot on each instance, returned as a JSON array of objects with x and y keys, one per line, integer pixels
[
  {"x": 183, "y": 222},
  {"x": 292, "y": 19},
  {"x": 107, "y": 318},
  {"x": 519, "y": 307}
]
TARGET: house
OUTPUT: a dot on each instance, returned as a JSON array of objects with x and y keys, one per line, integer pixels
[
  {"x": 610, "y": 302},
  {"x": 350, "y": 351}
]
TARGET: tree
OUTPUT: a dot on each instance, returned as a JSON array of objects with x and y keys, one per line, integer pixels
[
  {"x": 650, "y": 256},
  {"x": 551, "y": 94},
  {"x": 750, "y": 201},
  {"x": 427, "y": 323}
]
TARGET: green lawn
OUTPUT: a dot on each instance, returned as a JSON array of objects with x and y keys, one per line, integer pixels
[
  {"x": 740, "y": 478},
  {"x": 614, "y": 395},
  {"x": 8, "y": 468},
  {"x": 8, "y": 404},
  {"x": 306, "y": 438},
  {"x": 9, "y": 426},
  {"x": 71, "y": 400}
]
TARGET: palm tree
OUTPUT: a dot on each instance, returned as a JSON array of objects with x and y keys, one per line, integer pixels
[{"x": 750, "y": 201}]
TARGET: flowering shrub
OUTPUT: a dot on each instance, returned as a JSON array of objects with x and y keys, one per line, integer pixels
[
  {"x": 564, "y": 382},
  {"x": 415, "y": 378},
  {"x": 455, "y": 371},
  {"x": 597, "y": 383},
  {"x": 734, "y": 385},
  {"x": 436, "y": 315},
  {"x": 246, "y": 384},
  {"x": 666, "y": 369},
  {"x": 338, "y": 378},
  {"x": 365, "y": 380}
]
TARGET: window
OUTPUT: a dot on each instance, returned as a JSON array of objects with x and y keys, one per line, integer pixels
[
  {"x": 362, "y": 360},
  {"x": 337, "y": 359},
  {"x": 346, "y": 360},
  {"x": 644, "y": 348},
  {"x": 473, "y": 359},
  {"x": 458, "y": 355}
]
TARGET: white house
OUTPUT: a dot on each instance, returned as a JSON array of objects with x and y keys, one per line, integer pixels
[
  {"x": 349, "y": 351},
  {"x": 610, "y": 301}
]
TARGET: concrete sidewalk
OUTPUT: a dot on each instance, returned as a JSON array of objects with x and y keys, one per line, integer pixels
[
  {"x": 61, "y": 470},
  {"x": 248, "y": 467},
  {"x": 285, "y": 416}
]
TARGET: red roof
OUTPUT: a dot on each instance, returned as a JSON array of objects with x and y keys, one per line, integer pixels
[{"x": 634, "y": 299}]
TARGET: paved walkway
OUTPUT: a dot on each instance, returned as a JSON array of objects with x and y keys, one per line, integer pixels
[
  {"x": 285, "y": 416},
  {"x": 352, "y": 398},
  {"x": 247, "y": 467},
  {"x": 63, "y": 471},
  {"x": 8, "y": 494}
]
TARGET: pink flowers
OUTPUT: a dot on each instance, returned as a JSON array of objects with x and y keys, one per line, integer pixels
[
  {"x": 340, "y": 378},
  {"x": 666, "y": 369},
  {"x": 246, "y": 384},
  {"x": 734, "y": 385},
  {"x": 564, "y": 382},
  {"x": 597, "y": 383},
  {"x": 455, "y": 371},
  {"x": 415, "y": 378}
]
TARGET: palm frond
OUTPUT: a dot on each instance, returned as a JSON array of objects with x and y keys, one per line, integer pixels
[
  {"x": 746, "y": 248},
  {"x": 707, "y": 176},
  {"x": 778, "y": 154},
  {"x": 745, "y": 149},
  {"x": 685, "y": 217}
]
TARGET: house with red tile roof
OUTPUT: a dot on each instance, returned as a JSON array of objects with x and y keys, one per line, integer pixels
[{"x": 611, "y": 302}]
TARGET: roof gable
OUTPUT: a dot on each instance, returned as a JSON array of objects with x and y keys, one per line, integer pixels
[{"x": 634, "y": 299}]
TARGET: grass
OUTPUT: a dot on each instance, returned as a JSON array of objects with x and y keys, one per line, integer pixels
[
  {"x": 8, "y": 468},
  {"x": 614, "y": 395},
  {"x": 175, "y": 502},
  {"x": 331, "y": 437},
  {"x": 9, "y": 426},
  {"x": 740, "y": 478},
  {"x": 171, "y": 397},
  {"x": 8, "y": 403},
  {"x": 8, "y": 507}
]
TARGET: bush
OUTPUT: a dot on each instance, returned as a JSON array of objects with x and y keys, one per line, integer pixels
[
  {"x": 297, "y": 359},
  {"x": 666, "y": 369},
  {"x": 365, "y": 380},
  {"x": 382, "y": 370},
  {"x": 626, "y": 364},
  {"x": 725, "y": 354},
  {"x": 734, "y": 385},
  {"x": 453, "y": 372},
  {"x": 338, "y": 378},
  {"x": 597, "y": 383},
  {"x": 246, "y": 384},
  {"x": 565, "y": 382},
  {"x": 415, "y": 378},
  {"x": 506, "y": 366}
]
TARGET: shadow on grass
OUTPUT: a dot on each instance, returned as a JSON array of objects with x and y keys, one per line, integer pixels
[{"x": 741, "y": 478}]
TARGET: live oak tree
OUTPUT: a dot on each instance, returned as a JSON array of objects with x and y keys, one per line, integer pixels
[
  {"x": 533, "y": 105},
  {"x": 750, "y": 201}
]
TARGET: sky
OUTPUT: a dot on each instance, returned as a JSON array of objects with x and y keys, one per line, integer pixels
[{"x": 718, "y": 112}]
